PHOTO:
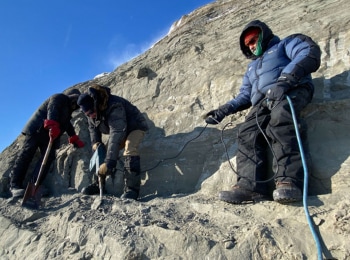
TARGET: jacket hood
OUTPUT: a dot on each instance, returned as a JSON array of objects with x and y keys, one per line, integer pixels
[
  {"x": 267, "y": 35},
  {"x": 100, "y": 95}
]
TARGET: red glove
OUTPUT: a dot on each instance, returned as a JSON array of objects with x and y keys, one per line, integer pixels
[
  {"x": 76, "y": 141},
  {"x": 53, "y": 127}
]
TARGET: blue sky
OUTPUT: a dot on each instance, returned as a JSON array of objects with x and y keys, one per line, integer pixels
[{"x": 47, "y": 46}]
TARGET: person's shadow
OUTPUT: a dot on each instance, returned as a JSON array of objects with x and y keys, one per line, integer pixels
[
  {"x": 177, "y": 164},
  {"x": 328, "y": 131}
]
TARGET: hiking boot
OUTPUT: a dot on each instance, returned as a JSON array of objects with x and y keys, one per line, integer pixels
[
  {"x": 287, "y": 192},
  {"x": 92, "y": 189},
  {"x": 240, "y": 195},
  {"x": 130, "y": 194},
  {"x": 17, "y": 192}
]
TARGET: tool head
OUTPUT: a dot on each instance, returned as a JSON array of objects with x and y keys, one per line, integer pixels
[{"x": 97, "y": 158}]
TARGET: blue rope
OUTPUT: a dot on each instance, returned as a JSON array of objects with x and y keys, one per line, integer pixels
[{"x": 318, "y": 244}]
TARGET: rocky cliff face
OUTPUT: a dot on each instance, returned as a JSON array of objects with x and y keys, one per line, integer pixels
[{"x": 195, "y": 68}]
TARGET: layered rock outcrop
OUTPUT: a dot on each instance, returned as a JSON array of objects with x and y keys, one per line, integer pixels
[{"x": 195, "y": 68}]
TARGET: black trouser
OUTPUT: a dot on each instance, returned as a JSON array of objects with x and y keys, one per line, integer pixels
[
  {"x": 132, "y": 173},
  {"x": 31, "y": 144},
  {"x": 252, "y": 164}
]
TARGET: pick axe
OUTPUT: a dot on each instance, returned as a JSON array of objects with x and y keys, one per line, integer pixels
[{"x": 32, "y": 195}]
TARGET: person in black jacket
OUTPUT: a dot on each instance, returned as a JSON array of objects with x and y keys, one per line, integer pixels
[
  {"x": 126, "y": 126},
  {"x": 50, "y": 120},
  {"x": 278, "y": 68}
]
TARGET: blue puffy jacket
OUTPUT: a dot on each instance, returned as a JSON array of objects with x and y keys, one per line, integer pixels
[{"x": 293, "y": 58}]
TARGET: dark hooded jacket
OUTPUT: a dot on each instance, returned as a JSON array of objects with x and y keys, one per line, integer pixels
[
  {"x": 58, "y": 107},
  {"x": 116, "y": 117},
  {"x": 293, "y": 59}
]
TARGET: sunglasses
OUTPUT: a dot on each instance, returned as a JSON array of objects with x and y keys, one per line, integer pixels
[{"x": 252, "y": 41}]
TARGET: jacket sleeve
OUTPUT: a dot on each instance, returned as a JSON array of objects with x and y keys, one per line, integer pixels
[
  {"x": 95, "y": 133},
  {"x": 117, "y": 131},
  {"x": 70, "y": 129},
  {"x": 305, "y": 56},
  {"x": 54, "y": 108},
  {"x": 59, "y": 110}
]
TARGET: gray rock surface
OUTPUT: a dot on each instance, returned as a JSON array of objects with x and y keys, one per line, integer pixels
[{"x": 195, "y": 68}]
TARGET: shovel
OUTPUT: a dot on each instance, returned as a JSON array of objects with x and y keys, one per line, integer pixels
[{"x": 32, "y": 195}]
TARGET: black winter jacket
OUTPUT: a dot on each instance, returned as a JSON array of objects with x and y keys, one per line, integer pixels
[
  {"x": 57, "y": 107},
  {"x": 117, "y": 120}
]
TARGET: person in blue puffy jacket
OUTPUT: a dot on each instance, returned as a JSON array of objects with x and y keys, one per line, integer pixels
[{"x": 279, "y": 68}]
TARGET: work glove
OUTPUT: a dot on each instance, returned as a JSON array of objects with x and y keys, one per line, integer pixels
[
  {"x": 277, "y": 91},
  {"x": 284, "y": 83},
  {"x": 53, "y": 127},
  {"x": 215, "y": 116},
  {"x": 76, "y": 141},
  {"x": 95, "y": 145},
  {"x": 104, "y": 170}
]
